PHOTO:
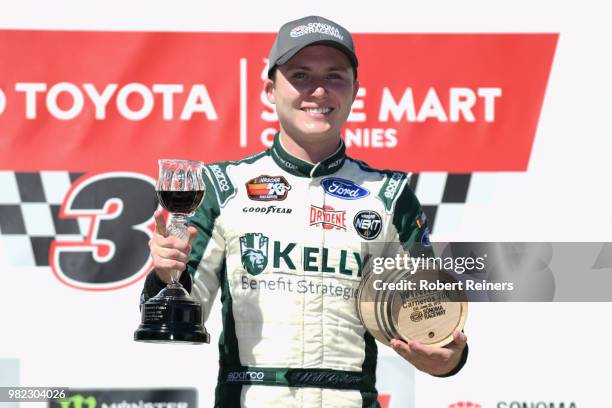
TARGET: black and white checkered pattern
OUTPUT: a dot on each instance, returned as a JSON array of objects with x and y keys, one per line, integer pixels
[
  {"x": 29, "y": 215},
  {"x": 30, "y": 203},
  {"x": 440, "y": 194}
]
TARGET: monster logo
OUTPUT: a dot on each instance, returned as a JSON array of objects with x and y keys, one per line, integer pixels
[{"x": 78, "y": 401}]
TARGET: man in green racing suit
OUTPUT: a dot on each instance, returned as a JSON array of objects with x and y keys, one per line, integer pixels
[{"x": 284, "y": 235}]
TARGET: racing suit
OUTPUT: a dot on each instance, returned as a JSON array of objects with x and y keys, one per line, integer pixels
[{"x": 285, "y": 241}]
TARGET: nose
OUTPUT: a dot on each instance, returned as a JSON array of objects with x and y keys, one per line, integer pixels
[{"x": 319, "y": 90}]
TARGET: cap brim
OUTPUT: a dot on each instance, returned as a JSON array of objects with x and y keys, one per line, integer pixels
[{"x": 283, "y": 59}]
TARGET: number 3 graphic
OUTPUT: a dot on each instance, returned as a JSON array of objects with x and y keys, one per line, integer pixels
[{"x": 115, "y": 252}]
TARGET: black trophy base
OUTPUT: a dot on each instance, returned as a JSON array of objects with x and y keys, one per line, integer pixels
[{"x": 172, "y": 317}]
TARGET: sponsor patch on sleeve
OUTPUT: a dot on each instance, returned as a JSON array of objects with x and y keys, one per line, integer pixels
[
  {"x": 268, "y": 188},
  {"x": 221, "y": 181},
  {"x": 425, "y": 238},
  {"x": 391, "y": 188},
  {"x": 420, "y": 220}
]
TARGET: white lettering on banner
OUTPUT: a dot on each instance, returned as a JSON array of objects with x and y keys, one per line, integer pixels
[
  {"x": 461, "y": 101},
  {"x": 358, "y": 104},
  {"x": 198, "y": 100},
  {"x": 53, "y": 105},
  {"x": 243, "y": 102},
  {"x": 263, "y": 75},
  {"x": 2, "y": 101},
  {"x": 375, "y": 137},
  {"x": 100, "y": 100},
  {"x": 268, "y": 114},
  {"x": 388, "y": 105},
  {"x": 30, "y": 90},
  {"x": 147, "y": 101},
  {"x": 431, "y": 108},
  {"x": 489, "y": 95},
  {"x": 168, "y": 91},
  {"x": 267, "y": 137}
]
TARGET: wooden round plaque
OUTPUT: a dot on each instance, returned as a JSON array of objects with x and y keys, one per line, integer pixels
[{"x": 427, "y": 306}]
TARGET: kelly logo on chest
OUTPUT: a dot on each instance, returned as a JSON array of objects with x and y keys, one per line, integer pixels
[{"x": 257, "y": 251}]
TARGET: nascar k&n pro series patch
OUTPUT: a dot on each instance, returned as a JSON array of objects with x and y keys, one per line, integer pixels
[{"x": 268, "y": 188}]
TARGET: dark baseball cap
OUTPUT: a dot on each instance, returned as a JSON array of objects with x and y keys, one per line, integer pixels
[{"x": 312, "y": 30}]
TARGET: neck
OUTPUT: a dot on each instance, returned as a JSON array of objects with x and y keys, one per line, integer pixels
[{"x": 310, "y": 152}]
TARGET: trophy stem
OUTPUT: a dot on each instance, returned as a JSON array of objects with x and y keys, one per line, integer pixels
[{"x": 178, "y": 228}]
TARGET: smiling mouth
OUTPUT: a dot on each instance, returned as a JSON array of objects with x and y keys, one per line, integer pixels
[{"x": 322, "y": 111}]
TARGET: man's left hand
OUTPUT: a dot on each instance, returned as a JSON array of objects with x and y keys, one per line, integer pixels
[{"x": 432, "y": 360}]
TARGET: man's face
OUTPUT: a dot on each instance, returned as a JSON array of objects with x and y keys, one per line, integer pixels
[{"x": 313, "y": 93}]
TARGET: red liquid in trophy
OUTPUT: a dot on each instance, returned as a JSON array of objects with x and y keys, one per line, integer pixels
[{"x": 180, "y": 202}]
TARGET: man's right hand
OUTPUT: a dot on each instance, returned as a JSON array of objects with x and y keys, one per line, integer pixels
[{"x": 169, "y": 253}]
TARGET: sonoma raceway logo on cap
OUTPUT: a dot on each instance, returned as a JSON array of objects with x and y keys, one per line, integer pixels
[
  {"x": 320, "y": 28},
  {"x": 344, "y": 189}
]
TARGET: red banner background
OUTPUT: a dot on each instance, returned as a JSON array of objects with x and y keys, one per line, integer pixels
[{"x": 471, "y": 102}]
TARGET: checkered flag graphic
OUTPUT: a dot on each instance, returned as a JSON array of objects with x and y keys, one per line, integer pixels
[
  {"x": 30, "y": 204},
  {"x": 439, "y": 193},
  {"x": 29, "y": 215}
]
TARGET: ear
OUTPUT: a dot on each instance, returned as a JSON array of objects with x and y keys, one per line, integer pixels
[
  {"x": 269, "y": 89},
  {"x": 355, "y": 89}
]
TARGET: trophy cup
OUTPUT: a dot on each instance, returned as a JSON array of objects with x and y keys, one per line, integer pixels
[{"x": 173, "y": 315}]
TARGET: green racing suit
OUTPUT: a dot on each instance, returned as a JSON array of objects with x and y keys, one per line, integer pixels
[{"x": 285, "y": 242}]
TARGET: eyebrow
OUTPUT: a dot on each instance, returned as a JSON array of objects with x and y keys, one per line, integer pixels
[{"x": 306, "y": 68}]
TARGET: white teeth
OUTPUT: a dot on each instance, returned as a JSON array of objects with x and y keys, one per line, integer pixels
[{"x": 317, "y": 110}]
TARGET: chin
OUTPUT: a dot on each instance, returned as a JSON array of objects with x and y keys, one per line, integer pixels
[
  {"x": 316, "y": 128},
  {"x": 318, "y": 134}
]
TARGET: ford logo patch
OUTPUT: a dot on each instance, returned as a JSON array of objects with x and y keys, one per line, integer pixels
[{"x": 344, "y": 189}]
